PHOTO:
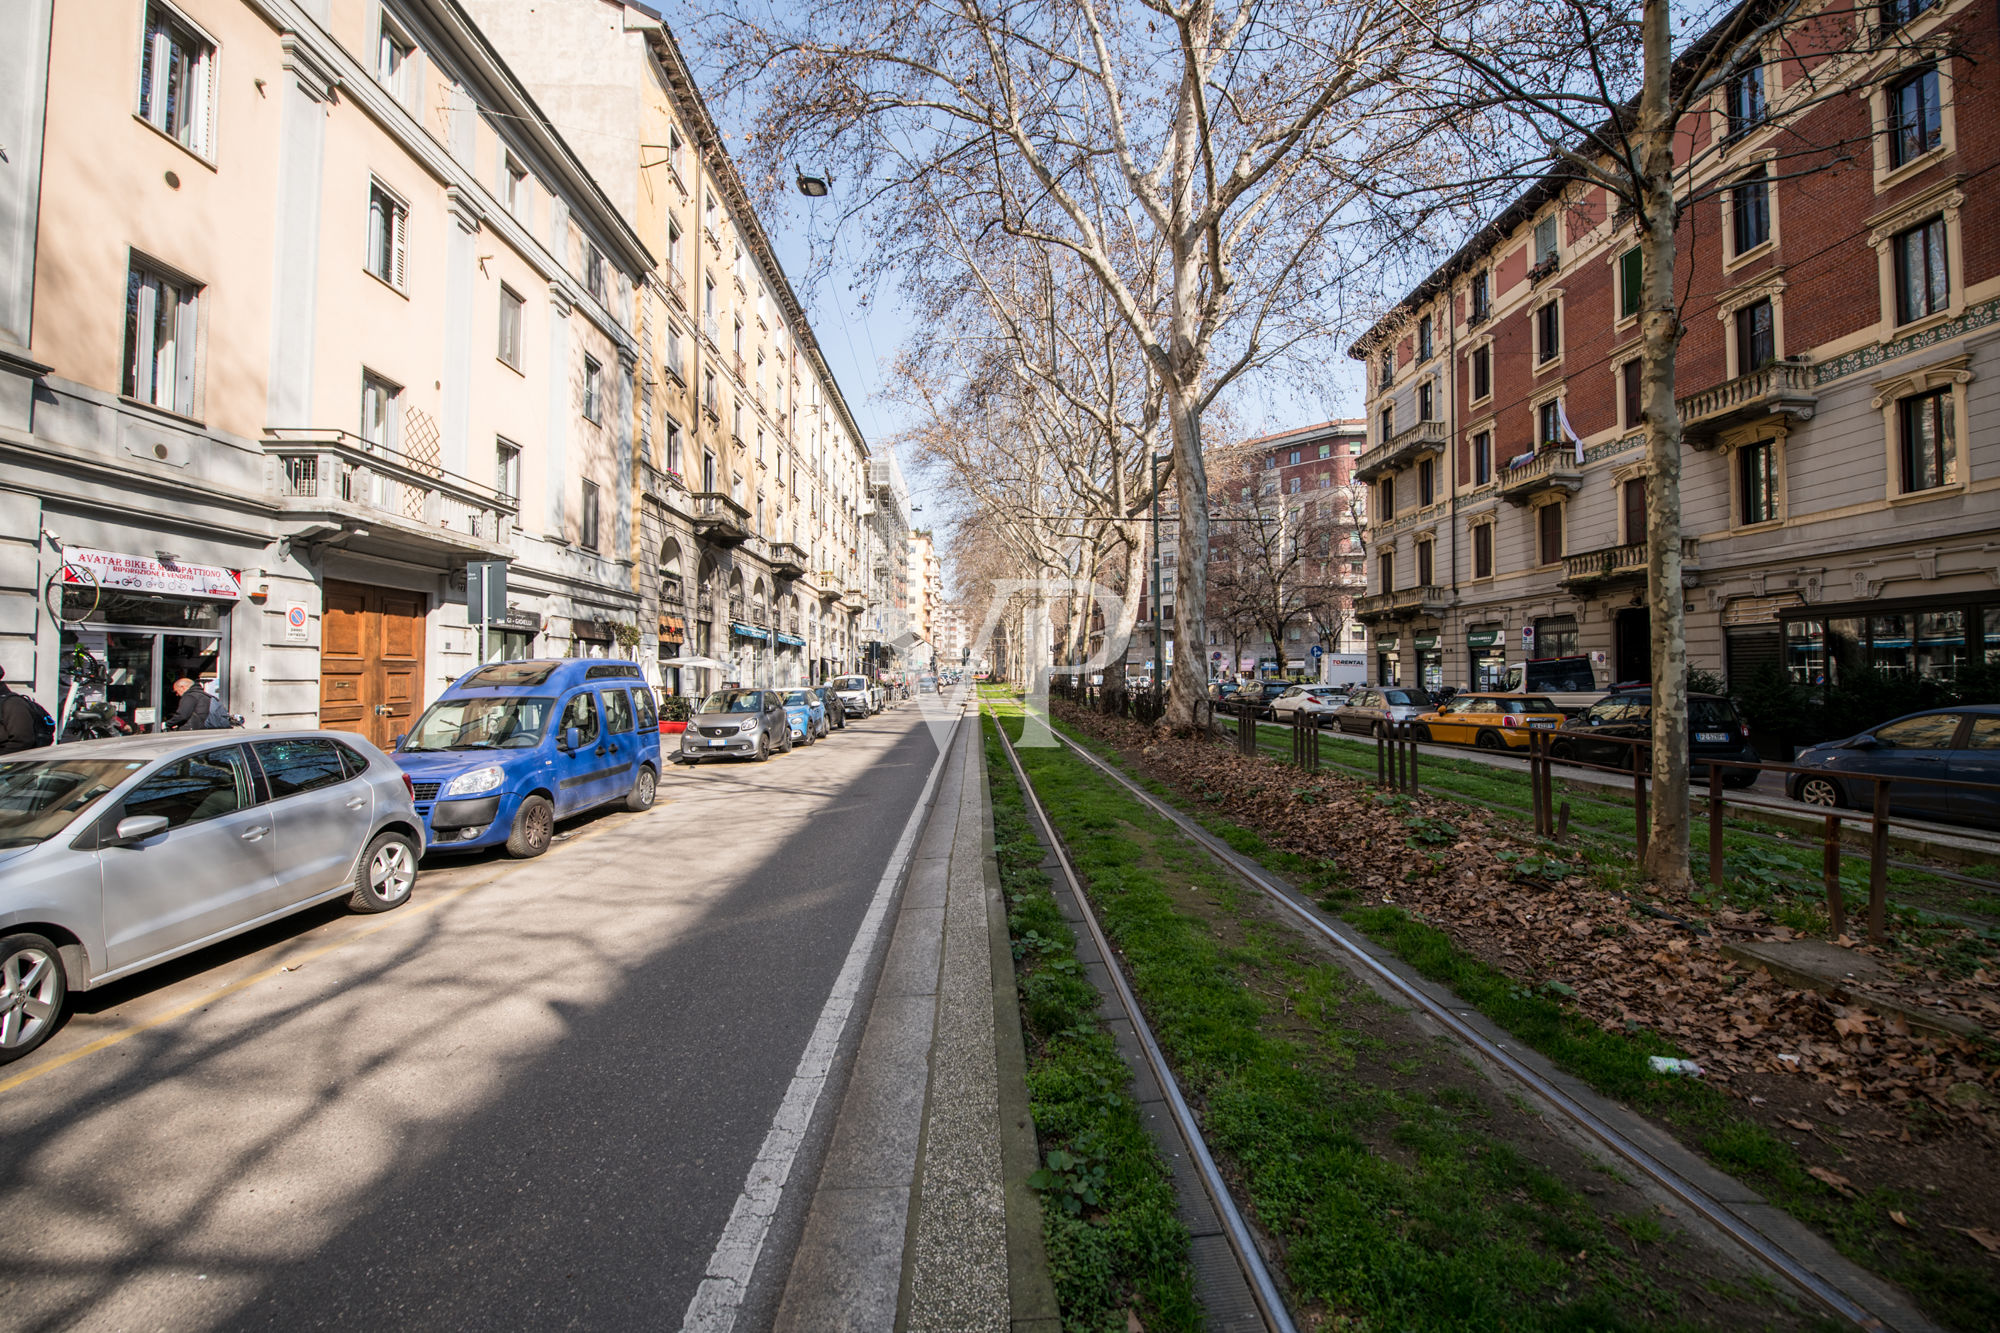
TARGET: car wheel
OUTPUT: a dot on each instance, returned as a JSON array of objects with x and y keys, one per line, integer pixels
[
  {"x": 763, "y": 747},
  {"x": 1489, "y": 740},
  {"x": 1739, "y": 778},
  {"x": 1562, "y": 750},
  {"x": 644, "y": 788},
  {"x": 1421, "y": 733},
  {"x": 1821, "y": 791},
  {"x": 33, "y": 991},
  {"x": 534, "y": 827},
  {"x": 387, "y": 873}
]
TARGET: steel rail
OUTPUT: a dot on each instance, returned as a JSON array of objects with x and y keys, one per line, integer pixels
[
  {"x": 1262, "y": 1287},
  {"x": 1763, "y": 1248}
]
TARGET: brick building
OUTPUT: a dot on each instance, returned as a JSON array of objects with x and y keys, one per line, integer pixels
[{"x": 1841, "y": 480}]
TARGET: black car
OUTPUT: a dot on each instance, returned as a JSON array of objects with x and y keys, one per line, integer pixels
[
  {"x": 1715, "y": 732},
  {"x": 1960, "y": 744},
  {"x": 836, "y": 711},
  {"x": 1255, "y": 697}
]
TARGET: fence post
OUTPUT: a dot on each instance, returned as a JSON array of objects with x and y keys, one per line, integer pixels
[
  {"x": 1878, "y": 867},
  {"x": 1410, "y": 734},
  {"x": 1641, "y": 824},
  {"x": 1382, "y": 761},
  {"x": 1836, "y": 901},
  {"x": 1715, "y": 826},
  {"x": 1535, "y": 778}
]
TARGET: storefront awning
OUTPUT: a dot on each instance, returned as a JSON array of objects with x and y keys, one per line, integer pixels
[
  {"x": 1425, "y": 641},
  {"x": 791, "y": 641},
  {"x": 743, "y": 631},
  {"x": 1387, "y": 643},
  {"x": 1483, "y": 638}
]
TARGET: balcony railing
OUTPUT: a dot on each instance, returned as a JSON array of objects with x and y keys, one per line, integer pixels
[
  {"x": 788, "y": 559},
  {"x": 1783, "y": 388},
  {"x": 1401, "y": 449},
  {"x": 1615, "y": 565},
  {"x": 720, "y": 518},
  {"x": 677, "y": 286},
  {"x": 400, "y": 500},
  {"x": 1553, "y": 468},
  {"x": 1413, "y": 518}
]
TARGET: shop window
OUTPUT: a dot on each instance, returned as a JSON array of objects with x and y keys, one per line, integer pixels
[
  {"x": 1923, "y": 280},
  {"x": 588, "y": 533},
  {"x": 1916, "y": 116},
  {"x": 1746, "y": 101},
  {"x": 1805, "y": 652},
  {"x": 1629, "y": 377},
  {"x": 1482, "y": 372},
  {"x": 1757, "y": 483},
  {"x": 1991, "y": 635},
  {"x": 1925, "y": 449},
  {"x": 1750, "y": 211},
  {"x": 176, "y": 74},
  {"x": 1482, "y": 550},
  {"x": 161, "y": 332},
  {"x": 1482, "y": 458},
  {"x": 1549, "y": 532},
  {"x": 1631, "y": 283},
  {"x": 1756, "y": 337}
]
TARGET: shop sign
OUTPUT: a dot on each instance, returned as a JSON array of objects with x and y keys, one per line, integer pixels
[
  {"x": 298, "y": 619},
  {"x": 673, "y": 628},
  {"x": 1425, "y": 641},
  {"x": 529, "y": 621},
  {"x": 144, "y": 573},
  {"x": 1482, "y": 638},
  {"x": 744, "y": 631},
  {"x": 599, "y": 630},
  {"x": 791, "y": 641},
  {"x": 1387, "y": 643}
]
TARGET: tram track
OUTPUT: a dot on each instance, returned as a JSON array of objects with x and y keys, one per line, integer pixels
[{"x": 1765, "y": 1251}]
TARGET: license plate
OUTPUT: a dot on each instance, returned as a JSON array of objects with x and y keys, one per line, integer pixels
[
  {"x": 1712, "y": 737},
  {"x": 717, "y": 740},
  {"x": 1542, "y": 726}
]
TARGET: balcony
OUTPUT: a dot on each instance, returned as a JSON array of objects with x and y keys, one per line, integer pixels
[
  {"x": 672, "y": 591},
  {"x": 1783, "y": 388},
  {"x": 1400, "y": 450},
  {"x": 788, "y": 560},
  {"x": 1620, "y": 566},
  {"x": 855, "y": 596},
  {"x": 1403, "y": 604},
  {"x": 389, "y": 502},
  {"x": 1553, "y": 468},
  {"x": 720, "y": 519},
  {"x": 677, "y": 286},
  {"x": 704, "y": 604},
  {"x": 664, "y": 486}
]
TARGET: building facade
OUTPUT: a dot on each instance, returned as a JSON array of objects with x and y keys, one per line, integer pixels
[
  {"x": 1837, "y": 380},
  {"x": 306, "y": 307}
]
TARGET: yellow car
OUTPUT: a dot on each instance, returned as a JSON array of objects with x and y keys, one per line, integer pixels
[{"x": 1489, "y": 721}]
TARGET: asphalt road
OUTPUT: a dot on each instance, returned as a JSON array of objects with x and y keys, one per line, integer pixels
[{"x": 529, "y": 1098}]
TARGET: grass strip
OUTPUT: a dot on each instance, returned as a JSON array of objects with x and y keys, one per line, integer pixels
[
  {"x": 1393, "y": 1204},
  {"x": 1615, "y": 1064},
  {"x": 1108, "y": 1221}
]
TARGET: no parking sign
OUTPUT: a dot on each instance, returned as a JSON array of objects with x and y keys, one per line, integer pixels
[{"x": 297, "y": 618}]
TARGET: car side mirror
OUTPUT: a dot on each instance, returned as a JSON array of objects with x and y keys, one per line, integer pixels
[
  {"x": 397, "y": 744},
  {"x": 572, "y": 738},
  {"x": 138, "y": 828},
  {"x": 1863, "y": 743}
]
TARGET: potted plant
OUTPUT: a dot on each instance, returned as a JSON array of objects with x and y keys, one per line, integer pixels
[{"x": 675, "y": 710}]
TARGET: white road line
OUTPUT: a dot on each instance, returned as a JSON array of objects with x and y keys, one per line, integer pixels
[{"x": 722, "y": 1291}]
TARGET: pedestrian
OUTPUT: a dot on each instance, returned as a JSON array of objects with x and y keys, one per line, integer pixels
[
  {"x": 192, "y": 711},
  {"x": 24, "y": 724}
]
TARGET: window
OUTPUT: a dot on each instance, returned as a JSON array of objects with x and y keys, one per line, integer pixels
[
  {"x": 1387, "y": 496},
  {"x": 202, "y": 786},
  {"x": 1295, "y": 456},
  {"x": 1482, "y": 551},
  {"x": 1548, "y": 423},
  {"x": 510, "y": 325},
  {"x": 1388, "y": 422},
  {"x": 1385, "y": 566},
  {"x": 1482, "y": 458},
  {"x": 299, "y": 765},
  {"x": 1548, "y": 333},
  {"x": 593, "y": 391},
  {"x": 707, "y": 470},
  {"x": 1549, "y": 532},
  {"x": 1388, "y": 366},
  {"x": 1925, "y": 444},
  {"x": 708, "y": 392},
  {"x": 1629, "y": 377},
  {"x": 674, "y": 447},
  {"x": 1545, "y": 241},
  {"x": 507, "y": 469},
  {"x": 1481, "y": 298},
  {"x": 593, "y": 271},
  {"x": 1916, "y": 120},
  {"x": 1933, "y": 731},
  {"x": 395, "y": 59},
  {"x": 378, "y": 410},
  {"x": 617, "y": 712},
  {"x": 581, "y": 714},
  {"x": 388, "y": 235},
  {"x": 588, "y": 534},
  {"x": 1426, "y": 564},
  {"x": 1756, "y": 338},
  {"x": 676, "y": 354},
  {"x": 1631, "y": 283},
  {"x": 1424, "y": 338},
  {"x": 1482, "y": 372},
  {"x": 1746, "y": 101},
  {"x": 1426, "y": 483},
  {"x": 1750, "y": 212},
  {"x": 514, "y": 186},
  {"x": 1424, "y": 412},
  {"x": 1895, "y": 13},
  {"x": 1632, "y": 497},
  {"x": 1757, "y": 483},
  {"x": 1923, "y": 282},
  {"x": 176, "y": 67},
  {"x": 160, "y": 339}
]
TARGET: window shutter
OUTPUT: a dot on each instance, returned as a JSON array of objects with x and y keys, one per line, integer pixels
[
  {"x": 184, "y": 351},
  {"x": 399, "y": 226}
]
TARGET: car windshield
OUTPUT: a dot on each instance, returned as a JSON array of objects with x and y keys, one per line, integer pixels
[
  {"x": 481, "y": 722},
  {"x": 39, "y": 798},
  {"x": 851, "y": 683},
  {"x": 1712, "y": 713},
  {"x": 798, "y": 697},
  {"x": 1416, "y": 697},
  {"x": 734, "y": 701}
]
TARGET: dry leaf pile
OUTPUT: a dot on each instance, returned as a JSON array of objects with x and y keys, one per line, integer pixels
[{"x": 1621, "y": 963}]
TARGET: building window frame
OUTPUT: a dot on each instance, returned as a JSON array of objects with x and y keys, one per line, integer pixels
[
  {"x": 162, "y": 362},
  {"x": 513, "y": 324},
  {"x": 1744, "y": 107},
  {"x": 1550, "y": 532},
  {"x": 398, "y": 63},
  {"x": 1766, "y": 288},
  {"x": 589, "y": 513},
  {"x": 381, "y": 421},
  {"x": 1479, "y": 370},
  {"x": 1481, "y": 299},
  {"x": 1546, "y": 323},
  {"x": 1893, "y": 163},
  {"x": 593, "y": 390},
  {"x": 507, "y": 468},
  {"x": 1920, "y": 258},
  {"x": 1427, "y": 400},
  {"x": 1756, "y": 341},
  {"x": 169, "y": 40},
  {"x": 1942, "y": 202},
  {"x": 1750, "y": 216},
  {"x": 386, "y": 253},
  {"x": 1425, "y": 343},
  {"x": 1628, "y": 273},
  {"x": 1480, "y": 535},
  {"x": 1942, "y": 383},
  {"x": 1632, "y": 392},
  {"x": 1480, "y": 443}
]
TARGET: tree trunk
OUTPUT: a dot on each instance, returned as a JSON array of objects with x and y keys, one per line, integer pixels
[
  {"x": 1188, "y": 685},
  {"x": 1118, "y": 628},
  {"x": 1660, "y": 328}
]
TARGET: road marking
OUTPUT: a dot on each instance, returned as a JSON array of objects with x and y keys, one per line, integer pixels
[
  {"x": 207, "y": 998},
  {"x": 727, "y": 1282}
]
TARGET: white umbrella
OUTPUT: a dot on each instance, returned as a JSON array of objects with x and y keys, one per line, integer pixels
[{"x": 708, "y": 662}]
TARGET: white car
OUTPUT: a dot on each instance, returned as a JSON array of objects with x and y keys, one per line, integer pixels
[
  {"x": 855, "y": 695},
  {"x": 1315, "y": 701}
]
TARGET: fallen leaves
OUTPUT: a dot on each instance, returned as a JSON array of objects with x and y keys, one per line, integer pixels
[
  {"x": 1986, "y": 1239},
  {"x": 1832, "y": 1179}
]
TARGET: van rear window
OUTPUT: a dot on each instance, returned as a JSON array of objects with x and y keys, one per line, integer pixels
[
  {"x": 611, "y": 671},
  {"x": 509, "y": 674}
]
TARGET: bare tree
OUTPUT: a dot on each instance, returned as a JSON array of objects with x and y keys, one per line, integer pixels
[{"x": 1278, "y": 548}]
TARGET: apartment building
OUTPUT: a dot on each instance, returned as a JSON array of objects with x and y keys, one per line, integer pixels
[
  {"x": 303, "y": 307},
  {"x": 1837, "y": 379},
  {"x": 926, "y": 587},
  {"x": 751, "y": 508}
]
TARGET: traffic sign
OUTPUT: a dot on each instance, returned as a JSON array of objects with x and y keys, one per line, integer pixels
[
  {"x": 1318, "y": 651},
  {"x": 1216, "y": 656}
]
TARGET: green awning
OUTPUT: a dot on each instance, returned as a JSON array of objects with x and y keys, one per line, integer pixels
[
  {"x": 1423, "y": 641},
  {"x": 1386, "y": 643},
  {"x": 1483, "y": 638}
]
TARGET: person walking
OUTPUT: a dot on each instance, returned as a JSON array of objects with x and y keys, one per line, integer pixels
[
  {"x": 24, "y": 724},
  {"x": 192, "y": 711}
]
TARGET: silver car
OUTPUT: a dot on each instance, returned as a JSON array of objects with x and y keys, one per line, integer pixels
[
  {"x": 1371, "y": 707},
  {"x": 855, "y": 695},
  {"x": 119, "y": 854},
  {"x": 744, "y": 724}
]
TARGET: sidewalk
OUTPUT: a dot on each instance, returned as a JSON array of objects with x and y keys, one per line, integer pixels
[{"x": 921, "y": 1219}]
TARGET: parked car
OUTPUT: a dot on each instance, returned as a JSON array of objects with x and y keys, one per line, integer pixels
[
  {"x": 1570, "y": 683},
  {"x": 512, "y": 747},
  {"x": 836, "y": 711},
  {"x": 805, "y": 715},
  {"x": 745, "y": 724},
  {"x": 1221, "y": 691},
  {"x": 1314, "y": 701},
  {"x": 1370, "y": 708},
  {"x": 1256, "y": 697},
  {"x": 116, "y": 855},
  {"x": 1715, "y": 731},
  {"x": 1959, "y": 744},
  {"x": 855, "y": 695},
  {"x": 1488, "y": 721}
]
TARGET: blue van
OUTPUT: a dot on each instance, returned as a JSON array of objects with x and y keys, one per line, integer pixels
[{"x": 512, "y": 747}]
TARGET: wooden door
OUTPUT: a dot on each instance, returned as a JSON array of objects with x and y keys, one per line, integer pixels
[{"x": 371, "y": 660}]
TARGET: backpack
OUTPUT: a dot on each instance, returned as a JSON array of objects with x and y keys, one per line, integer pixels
[
  {"x": 42, "y": 725},
  {"x": 217, "y": 717}
]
